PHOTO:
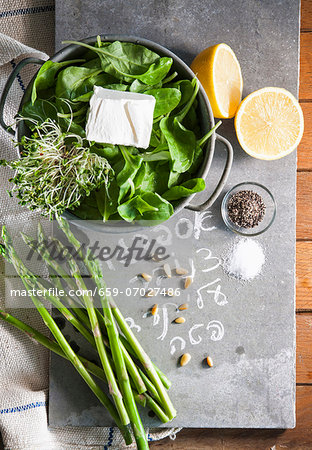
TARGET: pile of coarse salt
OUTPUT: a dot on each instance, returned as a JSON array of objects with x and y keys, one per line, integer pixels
[{"x": 244, "y": 260}]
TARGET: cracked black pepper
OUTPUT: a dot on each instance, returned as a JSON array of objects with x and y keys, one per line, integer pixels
[{"x": 246, "y": 209}]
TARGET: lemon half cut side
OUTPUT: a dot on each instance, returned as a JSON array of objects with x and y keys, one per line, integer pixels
[{"x": 269, "y": 123}]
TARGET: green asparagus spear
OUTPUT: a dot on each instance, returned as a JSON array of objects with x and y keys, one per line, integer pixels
[
  {"x": 29, "y": 282},
  {"x": 146, "y": 362},
  {"x": 90, "y": 366},
  {"x": 49, "y": 343},
  {"x": 132, "y": 340},
  {"x": 54, "y": 265},
  {"x": 124, "y": 382},
  {"x": 89, "y": 303}
]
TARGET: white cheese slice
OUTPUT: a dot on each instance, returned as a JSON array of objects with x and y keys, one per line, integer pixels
[{"x": 120, "y": 118}]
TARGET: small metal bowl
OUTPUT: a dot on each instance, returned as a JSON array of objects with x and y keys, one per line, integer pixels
[{"x": 270, "y": 210}]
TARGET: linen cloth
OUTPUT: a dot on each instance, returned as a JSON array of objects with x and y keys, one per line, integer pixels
[{"x": 24, "y": 364}]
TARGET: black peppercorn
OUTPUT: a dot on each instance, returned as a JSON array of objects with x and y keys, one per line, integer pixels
[{"x": 246, "y": 209}]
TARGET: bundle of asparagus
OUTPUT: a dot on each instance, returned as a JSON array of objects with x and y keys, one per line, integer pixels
[{"x": 131, "y": 376}]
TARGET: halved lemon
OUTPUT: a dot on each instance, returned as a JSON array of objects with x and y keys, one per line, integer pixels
[
  {"x": 269, "y": 123},
  {"x": 218, "y": 70}
]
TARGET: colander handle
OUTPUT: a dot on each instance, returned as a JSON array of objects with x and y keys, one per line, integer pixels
[
  {"x": 8, "y": 85},
  {"x": 224, "y": 177}
]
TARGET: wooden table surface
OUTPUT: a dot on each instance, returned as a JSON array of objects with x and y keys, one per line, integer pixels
[{"x": 301, "y": 436}]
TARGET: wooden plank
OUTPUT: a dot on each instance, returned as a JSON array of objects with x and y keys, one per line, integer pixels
[
  {"x": 305, "y": 89},
  {"x": 304, "y": 205},
  {"x": 299, "y": 438},
  {"x": 304, "y": 348},
  {"x": 306, "y": 15},
  {"x": 305, "y": 147},
  {"x": 304, "y": 275}
]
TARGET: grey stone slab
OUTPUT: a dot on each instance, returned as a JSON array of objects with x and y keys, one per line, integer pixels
[{"x": 253, "y": 381}]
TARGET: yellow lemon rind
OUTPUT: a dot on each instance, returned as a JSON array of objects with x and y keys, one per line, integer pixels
[{"x": 205, "y": 63}]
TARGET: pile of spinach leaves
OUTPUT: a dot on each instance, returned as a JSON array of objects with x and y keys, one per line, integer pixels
[{"x": 146, "y": 184}]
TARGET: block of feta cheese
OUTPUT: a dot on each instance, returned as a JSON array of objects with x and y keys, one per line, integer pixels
[{"x": 120, "y": 118}]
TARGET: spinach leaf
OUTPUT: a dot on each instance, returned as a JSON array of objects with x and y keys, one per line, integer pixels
[
  {"x": 181, "y": 115},
  {"x": 153, "y": 75},
  {"x": 160, "y": 153},
  {"x": 205, "y": 138},
  {"x": 109, "y": 151},
  {"x": 166, "y": 100},
  {"x": 170, "y": 77},
  {"x": 78, "y": 115},
  {"x": 121, "y": 58},
  {"x": 139, "y": 87},
  {"x": 70, "y": 125},
  {"x": 139, "y": 177},
  {"x": 86, "y": 97},
  {"x": 88, "y": 209},
  {"x": 185, "y": 189},
  {"x": 199, "y": 154},
  {"x": 156, "y": 133},
  {"x": 190, "y": 121},
  {"x": 197, "y": 160},
  {"x": 127, "y": 61},
  {"x": 134, "y": 207},
  {"x": 181, "y": 143},
  {"x": 174, "y": 178},
  {"x": 107, "y": 199},
  {"x": 127, "y": 58},
  {"x": 89, "y": 55},
  {"x": 117, "y": 86},
  {"x": 65, "y": 106},
  {"x": 154, "y": 141},
  {"x": 70, "y": 120},
  {"x": 165, "y": 209},
  {"x": 153, "y": 179},
  {"x": 39, "y": 111},
  {"x": 148, "y": 207},
  {"x": 126, "y": 175},
  {"x": 75, "y": 81},
  {"x": 156, "y": 155},
  {"x": 94, "y": 63},
  {"x": 156, "y": 72},
  {"x": 46, "y": 75},
  {"x": 186, "y": 88}
]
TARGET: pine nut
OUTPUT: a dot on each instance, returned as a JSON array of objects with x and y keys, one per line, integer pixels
[
  {"x": 183, "y": 307},
  {"x": 150, "y": 293},
  {"x": 167, "y": 270},
  {"x": 154, "y": 309},
  {"x": 188, "y": 282},
  {"x": 146, "y": 277},
  {"x": 209, "y": 361},
  {"x": 181, "y": 271},
  {"x": 179, "y": 320},
  {"x": 185, "y": 359}
]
